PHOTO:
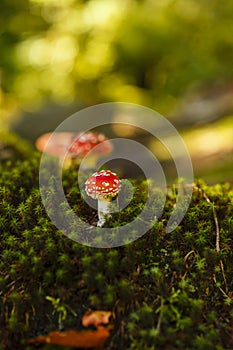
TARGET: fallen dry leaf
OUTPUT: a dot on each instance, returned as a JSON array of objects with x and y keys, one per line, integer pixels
[
  {"x": 96, "y": 318},
  {"x": 86, "y": 339}
]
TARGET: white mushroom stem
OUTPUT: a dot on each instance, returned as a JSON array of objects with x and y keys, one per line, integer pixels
[
  {"x": 103, "y": 209},
  {"x": 87, "y": 163},
  {"x": 65, "y": 163}
]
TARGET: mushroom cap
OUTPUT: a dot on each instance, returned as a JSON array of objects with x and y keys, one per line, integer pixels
[
  {"x": 54, "y": 143},
  {"x": 103, "y": 185},
  {"x": 74, "y": 145},
  {"x": 85, "y": 142}
]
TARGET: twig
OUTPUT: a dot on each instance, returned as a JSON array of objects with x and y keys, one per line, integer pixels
[
  {"x": 188, "y": 254},
  {"x": 217, "y": 239}
]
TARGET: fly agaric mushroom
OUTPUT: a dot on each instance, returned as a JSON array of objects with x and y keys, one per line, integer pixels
[
  {"x": 83, "y": 143},
  {"x": 104, "y": 186},
  {"x": 74, "y": 146}
]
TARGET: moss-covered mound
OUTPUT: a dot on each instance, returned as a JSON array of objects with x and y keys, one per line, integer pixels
[
  {"x": 13, "y": 147},
  {"x": 166, "y": 290}
]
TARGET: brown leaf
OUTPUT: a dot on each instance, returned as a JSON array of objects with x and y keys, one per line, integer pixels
[
  {"x": 86, "y": 339},
  {"x": 96, "y": 318}
]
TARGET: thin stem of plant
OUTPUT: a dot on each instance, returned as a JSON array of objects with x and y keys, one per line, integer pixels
[
  {"x": 160, "y": 317},
  {"x": 216, "y": 223},
  {"x": 217, "y": 241}
]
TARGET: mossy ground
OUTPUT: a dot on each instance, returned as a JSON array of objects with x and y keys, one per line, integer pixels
[{"x": 166, "y": 290}]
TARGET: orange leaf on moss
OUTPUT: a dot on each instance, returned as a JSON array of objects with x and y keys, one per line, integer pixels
[
  {"x": 96, "y": 318},
  {"x": 86, "y": 339}
]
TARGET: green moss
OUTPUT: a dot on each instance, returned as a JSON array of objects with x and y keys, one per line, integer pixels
[{"x": 167, "y": 290}]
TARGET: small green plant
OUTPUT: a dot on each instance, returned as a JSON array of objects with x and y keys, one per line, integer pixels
[{"x": 60, "y": 309}]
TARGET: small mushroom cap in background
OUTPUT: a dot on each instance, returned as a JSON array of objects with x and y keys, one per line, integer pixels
[
  {"x": 84, "y": 142},
  {"x": 75, "y": 145}
]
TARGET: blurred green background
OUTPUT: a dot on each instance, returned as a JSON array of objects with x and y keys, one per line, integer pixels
[{"x": 174, "y": 56}]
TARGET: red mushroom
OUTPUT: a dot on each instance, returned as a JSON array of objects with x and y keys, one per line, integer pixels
[
  {"x": 74, "y": 146},
  {"x": 104, "y": 186},
  {"x": 83, "y": 143}
]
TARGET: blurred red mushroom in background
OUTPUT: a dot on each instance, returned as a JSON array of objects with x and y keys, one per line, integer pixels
[
  {"x": 83, "y": 143},
  {"x": 69, "y": 147},
  {"x": 103, "y": 186}
]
